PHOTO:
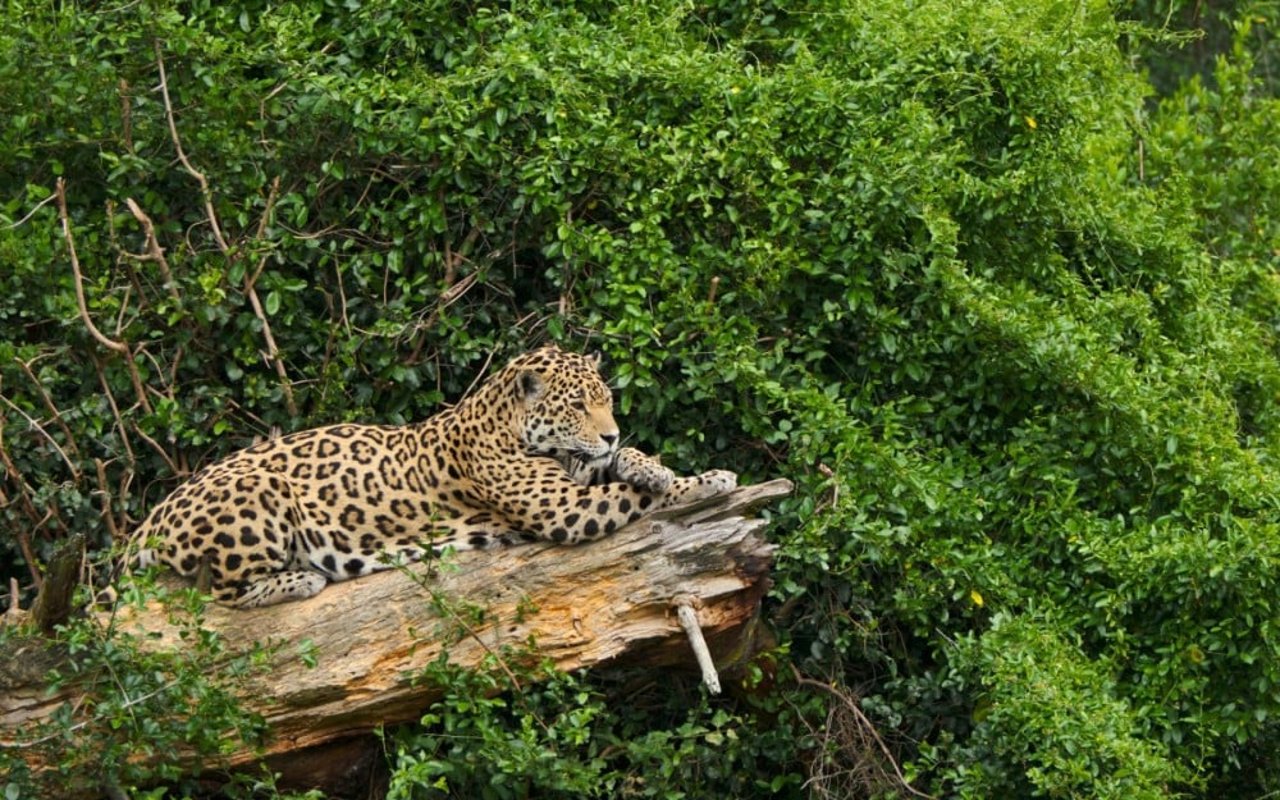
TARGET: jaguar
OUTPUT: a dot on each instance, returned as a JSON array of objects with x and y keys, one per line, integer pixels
[{"x": 533, "y": 454}]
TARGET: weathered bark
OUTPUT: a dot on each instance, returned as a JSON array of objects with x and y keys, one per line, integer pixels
[
  {"x": 609, "y": 600},
  {"x": 53, "y": 602}
]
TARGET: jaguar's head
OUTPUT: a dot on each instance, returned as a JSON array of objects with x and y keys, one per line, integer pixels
[{"x": 568, "y": 409}]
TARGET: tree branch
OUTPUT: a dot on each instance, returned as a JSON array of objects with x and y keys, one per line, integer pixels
[
  {"x": 111, "y": 344},
  {"x": 75, "y": 471},
  {"x": 28, "y": 506},
  {"x": 369, "y": 640},
  {"x": 99, "y": 336},
  {"x": 272, "y": 352},
  {"x": 154, "y": 251},
  {"x": 205, "y": 192}
]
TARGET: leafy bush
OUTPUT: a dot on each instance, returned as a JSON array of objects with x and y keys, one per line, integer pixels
[
  {"x": 141, "y": 711},
  {"x": 1007, "y": 320},
  {"x": 558, "y": 736}
]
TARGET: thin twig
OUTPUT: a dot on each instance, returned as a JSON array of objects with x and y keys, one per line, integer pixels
[
  {"x": 117, "y": 347},
  {"x": 124, "y": 310},
  {"x": 272, "y": 352},
  {"x": 502, "y": 664},
  {"x": 33, "y": 211},
  {"x": 128, "y": 705},
  {"x": 126, "y": 114},
  {"x": 342, "y": 297},
  {"x": 156, "y": 446},
  {"x": 866, "y": 723},
  {"x": 205, "y": 192},
  {"x": 154, "y": 251},
  {"x": 447, "y": 298},
  {"x": 262, "y": 231},
  {"x": 454, "y": 258},
  {"x": 262, "y": 108},
  {"x": 110, "y": 344},
  {"x": 126, "y": 481},
  {"x": 483, "y": 369},
  {"x": 115, "y": 410},
  {"x": 24, "y": 541},
  {"x": 108, "y": 515},
  {"x": 48, "y": 404},
  {"x": 75, "y": 472}
]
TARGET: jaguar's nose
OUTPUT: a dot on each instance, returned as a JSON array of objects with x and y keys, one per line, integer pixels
[{"x": 610, "y": 439}]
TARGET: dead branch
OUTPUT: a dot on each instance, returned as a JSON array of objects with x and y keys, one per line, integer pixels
[
  {"x": 864, "y": 733},
  {"x": 33, "y": 211},
  {"x": 205, "y": 192},
  {"x": 370, "y": 639},
  {"x": 126, "y": 114},
  {"x": 48, "y": 404},
  {"x": 261, "y": 234},
  {"x": 155, "y": 252},
  {"x": 99, "y": 336},
  {"x": 104, "y": 490},
  {"x": 111, "y": 344},
  {"x": 115, "y": 411},
  {"x": 28, "y": 508},
  {"x": 173, "y": 467},
  {"x": 272, "y": 353}
]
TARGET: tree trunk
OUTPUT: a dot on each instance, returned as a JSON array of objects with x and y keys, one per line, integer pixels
[{"x": 608, "y": 601}]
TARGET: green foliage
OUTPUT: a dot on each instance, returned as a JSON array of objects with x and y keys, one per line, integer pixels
[
  {"x": 1055, "y": 713},
  {"x": 140, "y": 712},
  {"x": 551, "y": 734},
  {"x": 1007, "y": 318}
]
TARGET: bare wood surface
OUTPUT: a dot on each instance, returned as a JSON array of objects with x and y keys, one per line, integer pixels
[{"x": 583, "y": 606}]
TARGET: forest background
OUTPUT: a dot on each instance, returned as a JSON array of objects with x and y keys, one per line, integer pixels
[{"x": 993, "y": 282}]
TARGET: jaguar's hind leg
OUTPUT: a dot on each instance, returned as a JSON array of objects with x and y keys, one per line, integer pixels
[{"x": 269, "y": 589}]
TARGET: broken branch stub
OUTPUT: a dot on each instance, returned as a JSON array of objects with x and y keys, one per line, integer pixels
[{"x": 53, "y": 604}]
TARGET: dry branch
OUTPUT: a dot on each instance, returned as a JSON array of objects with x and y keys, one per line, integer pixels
[
  {"x": 205, "y": 192},
  {"x": 154, "y": 251},
  {"x": 609, "y": 601},
  {"x": 120, "y": 347},
  {"x": 272, "y": 353},
  {"x": 28, "y": 507},
  {"x": 99, "y": 336},
  {"x": 54, "y": 413}
]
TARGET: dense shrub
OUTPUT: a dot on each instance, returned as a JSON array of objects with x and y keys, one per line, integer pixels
[{"x": 1008, "y": 320}]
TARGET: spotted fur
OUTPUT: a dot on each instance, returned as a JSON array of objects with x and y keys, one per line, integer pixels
[{"x": 531, "y": 455}]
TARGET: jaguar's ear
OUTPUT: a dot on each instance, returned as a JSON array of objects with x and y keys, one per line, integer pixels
[
  {"x": 596, "y": 358},
  {"x": 529, "y": 386}
]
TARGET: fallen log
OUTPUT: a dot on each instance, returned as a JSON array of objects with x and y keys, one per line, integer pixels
[{"x": 618, "y": 600}]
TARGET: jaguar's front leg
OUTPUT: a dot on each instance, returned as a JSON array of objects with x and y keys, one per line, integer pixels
[
  {"x": 627, "y": 465},
  {"x": 644, "y": 472},
  {"x": 589, "y": 471}
]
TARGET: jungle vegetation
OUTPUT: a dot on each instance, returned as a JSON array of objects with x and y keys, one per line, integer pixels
[{"x": 994, "y": 282}]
